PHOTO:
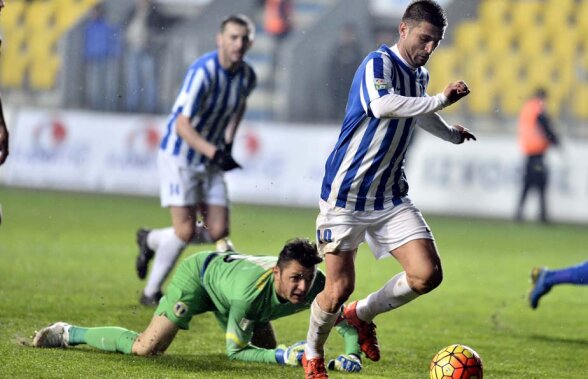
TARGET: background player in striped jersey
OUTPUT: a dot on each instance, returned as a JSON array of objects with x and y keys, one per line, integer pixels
[
  {"x": 245, "y": 293},
  {"x": 196, "y": 150},
  {"x": 364, "y": 190}
]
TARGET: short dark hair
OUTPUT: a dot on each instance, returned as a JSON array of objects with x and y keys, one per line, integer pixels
[
  {"x": 242, "y": 20},
  {"x": 425, "y": 10},
  {"x": 300, "y": 250}
]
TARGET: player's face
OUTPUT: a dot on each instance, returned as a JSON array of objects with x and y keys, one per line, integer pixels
[
  {"x": 418, "y": 41},
  {"x": 233, "y": 42},
  {"x": 293, "y": 282}
]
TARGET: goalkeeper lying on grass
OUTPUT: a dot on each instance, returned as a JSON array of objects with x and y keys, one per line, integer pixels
[{"x": 244, "y": 292}]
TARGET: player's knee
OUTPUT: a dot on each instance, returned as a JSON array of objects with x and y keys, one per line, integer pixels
[
  {"x": 426, "y": 281},
  {"x": 216, "y": 233},
  {"x": 144, "y": 350},
  {"x": 185, "y": 232}
]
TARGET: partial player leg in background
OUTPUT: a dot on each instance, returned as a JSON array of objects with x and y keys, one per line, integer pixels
[{"x": 543, "y": 280}]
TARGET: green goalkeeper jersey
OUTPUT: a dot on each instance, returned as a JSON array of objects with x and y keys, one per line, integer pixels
[{"x": 242, "y": 290}]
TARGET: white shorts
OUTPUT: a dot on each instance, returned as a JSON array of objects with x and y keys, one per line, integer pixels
[
  {"x": 182, "y": 186},
  {"x": 340, "y": 229}
]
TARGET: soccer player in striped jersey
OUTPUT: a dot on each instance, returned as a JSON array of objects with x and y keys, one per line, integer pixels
[
  {"x": 3, "y": 127},
  {"x": 244, "y": 292},
  {"x": 195, "y": 152},
  {"x": 364, "y": 193}
]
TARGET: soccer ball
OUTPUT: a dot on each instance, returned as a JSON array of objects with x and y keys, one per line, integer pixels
[{"x": 456, "y": 362}]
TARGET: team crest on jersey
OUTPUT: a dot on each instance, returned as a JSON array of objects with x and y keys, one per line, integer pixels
[
  {"x": 245, "y": 324},
  {"x": 380, "y": 83},
  {"x": 180, "y": 309}
]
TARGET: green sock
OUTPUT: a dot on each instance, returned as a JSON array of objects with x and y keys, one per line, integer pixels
[{"x": 108, "y": 338}]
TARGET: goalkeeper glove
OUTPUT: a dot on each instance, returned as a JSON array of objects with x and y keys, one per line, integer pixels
[
  {"x": 291, "y": 355},
  {"x": 224, "y": 160},
  {"x": 346, "y": 362}
]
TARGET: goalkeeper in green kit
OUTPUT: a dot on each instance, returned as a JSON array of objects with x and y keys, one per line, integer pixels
[{"x": 244, "y": 292}]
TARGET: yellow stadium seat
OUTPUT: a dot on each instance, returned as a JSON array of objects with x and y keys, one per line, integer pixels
[
  {"x": 564, "y": 43},
  {"x": 479, "y": 73},
  {"x": 43, "y": 73},
  {"x": 14, "y": 16},
  {"x": 582, "y": 18},
  {"x": 558, "y": 14},
  {"x": 579, "y": 102},
  {"x": 40, "y": 15},
  {"x": 499, "y": 41},
  {"x": 468, "y": 36},
  {"x": 526, "y": 14},
  {"x": 442, "y": 69},
  {"x": 14, "y": 58},
  {"x": 495, "y": 14},
  {"x": 507, "y": 70},
  {"x": 512, "y": 98},
  {"x": 13, "y": 69},
  {"x": 70, "y": 12},
  {"x": 481, "y": 101},
  {"x": 533, "y": 43},
  {"x": 42, "y": 44}
]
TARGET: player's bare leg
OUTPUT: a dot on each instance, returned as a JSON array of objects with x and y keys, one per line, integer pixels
[
  {"x": 325, "y": 309},
  {"x": 216, "y": 221},
  {"x": 264, "y": 336},
  {"x": 156, "y": 338},
  {"x": 422, "y": 265}
]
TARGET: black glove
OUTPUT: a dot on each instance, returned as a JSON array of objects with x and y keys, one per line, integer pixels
[{"x": 224, "y": 160}]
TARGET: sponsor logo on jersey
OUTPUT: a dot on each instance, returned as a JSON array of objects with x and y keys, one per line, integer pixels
[
  {"x": 245, "y": 324},
  {"x": 380, "y": 83},
  {"x": 180, "y": 309}
]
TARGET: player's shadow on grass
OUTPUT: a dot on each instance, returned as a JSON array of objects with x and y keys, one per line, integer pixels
[{"x": 562, "y": 340}]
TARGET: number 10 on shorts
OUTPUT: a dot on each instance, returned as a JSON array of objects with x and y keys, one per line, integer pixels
[{"x": 327, "y": 236}]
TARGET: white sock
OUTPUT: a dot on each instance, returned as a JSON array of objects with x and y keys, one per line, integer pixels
[
  {"x": 166, "y": 255},
  {"x": 155, "y": 237},
  {"x": 321, "y": 323},
  {"x": 394, "y": 294}
]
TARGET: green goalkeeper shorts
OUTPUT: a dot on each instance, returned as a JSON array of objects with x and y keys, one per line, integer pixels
[{"x": 185, "y": 296}]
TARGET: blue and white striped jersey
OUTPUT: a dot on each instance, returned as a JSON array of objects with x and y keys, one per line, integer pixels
[
  {"x": 365, "y": 170},
  {"x": 209, "y": 97}
]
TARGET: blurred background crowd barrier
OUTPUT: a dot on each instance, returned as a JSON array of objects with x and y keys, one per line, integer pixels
[{"x": 74, "y": 60}]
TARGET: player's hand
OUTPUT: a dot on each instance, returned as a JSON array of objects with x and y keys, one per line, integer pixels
[
  {"x": 464, "y": 133},
  {"x": 224, "y": 160},
  {"x": 456, "y": 90},
  {"x": 346, "y": 362},
  {"x": 291, "y": 355}
]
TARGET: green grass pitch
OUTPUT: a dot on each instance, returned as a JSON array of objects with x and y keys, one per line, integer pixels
[{"x": 70, "y": 257}]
